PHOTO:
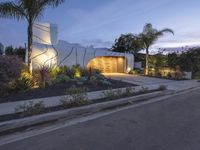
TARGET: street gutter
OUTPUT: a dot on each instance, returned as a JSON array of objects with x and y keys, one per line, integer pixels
[{"x": 18, "y": 124}]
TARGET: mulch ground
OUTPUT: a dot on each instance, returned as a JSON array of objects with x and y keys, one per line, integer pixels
[{"x": 59, "y": 89}]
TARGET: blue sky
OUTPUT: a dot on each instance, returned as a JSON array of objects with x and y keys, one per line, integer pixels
[{"x": 100, "y": 22}]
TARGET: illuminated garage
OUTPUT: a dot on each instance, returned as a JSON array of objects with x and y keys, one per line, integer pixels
[{"x": 108, "y": 64}]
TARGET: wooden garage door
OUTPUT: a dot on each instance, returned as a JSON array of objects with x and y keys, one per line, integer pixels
[{"x": 107, "y": 64}]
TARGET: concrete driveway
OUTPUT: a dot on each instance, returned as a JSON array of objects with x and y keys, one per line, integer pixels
[{"x": 154, "y": 82}]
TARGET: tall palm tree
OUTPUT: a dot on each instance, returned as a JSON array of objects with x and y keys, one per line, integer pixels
[
  {"x": 149, "y": 36},
  {"x": 29, "y": 10}
]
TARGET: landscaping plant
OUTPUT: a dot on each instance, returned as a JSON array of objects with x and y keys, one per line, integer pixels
[
  {"x": 10, "y": 70},
  {"x": 31, "y": 108},
  {"x": 77, "y": 96},
  {"x": 43, "y": 76}
]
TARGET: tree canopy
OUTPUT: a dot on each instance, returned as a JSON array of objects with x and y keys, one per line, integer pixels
[{"x": 129, "y": 43}]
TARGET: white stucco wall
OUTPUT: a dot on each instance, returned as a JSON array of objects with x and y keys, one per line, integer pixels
[{"x": 47, "y": 50}]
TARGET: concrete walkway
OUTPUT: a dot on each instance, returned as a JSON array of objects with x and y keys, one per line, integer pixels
[{"x": 155, "y": 82}]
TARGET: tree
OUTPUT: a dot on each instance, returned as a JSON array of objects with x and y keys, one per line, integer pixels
[
  {"x": 149, "y": 36},
  {"x": 19, "y": 51},
  {"x": 29, "y": 10},
  {"x": 9, "y": 50},
  {"x": 127, "y": 43}
]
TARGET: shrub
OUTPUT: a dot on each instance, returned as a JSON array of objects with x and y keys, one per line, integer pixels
[
  {"x": 144, "y": 89},
  {"x": 197, "y": 75},
  {"x": 178, "y": 75},
  {"x": 76, "y": 69},
  {"x": 105, "y": 82},
  {"x": 113, "y": 94},
  {"x": 10, "y": 70},
  {"x": 136, "y": 71},
  {"x": 85, "y": 72},
  {"x": 31, "y": 108},
  {"x": 116, "y": 94},
  {"x": 129, "y": 91},
  {"x": 162, "y": 87},
  {"x": 76, "y": 97},
  {"x": 22, "y": 84},
  {"x": 59, "y": 70},
  {"x": 62, "y": 78},
  {"x": 43, "y": 76},
  {"x": 109, "y": 94},
  {"x": 95, "y": 71}
]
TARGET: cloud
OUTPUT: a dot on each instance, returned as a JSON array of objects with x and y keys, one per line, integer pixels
[{"x": 97, "y": 43}]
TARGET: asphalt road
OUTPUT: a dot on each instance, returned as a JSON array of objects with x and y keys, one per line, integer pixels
[{"x": 173, "y": 124}]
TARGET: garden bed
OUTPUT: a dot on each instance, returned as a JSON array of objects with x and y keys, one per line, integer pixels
[
  {"x": 60, "y": 89},
  {"x": 8, "y": 117}
]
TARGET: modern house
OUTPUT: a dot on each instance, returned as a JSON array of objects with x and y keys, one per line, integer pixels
[
  {"x": 47, "y": 50},
  {"x": 1, "y": 49}
]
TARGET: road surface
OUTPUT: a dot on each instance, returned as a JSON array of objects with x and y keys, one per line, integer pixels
[{"x": 173, "y": 124}]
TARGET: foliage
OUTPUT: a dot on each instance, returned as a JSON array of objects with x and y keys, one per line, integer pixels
[
  {"x": 76, "y": 69},
  {"x": 197, "y": 75},
  {"x": 62, "y": 78},
  {"x": 136, "y": 71},
  {"x": 144, "y": 89},
  {"x": 59, "y": 70},
  {"x": 127, "y": 43},
  {"x": 18, "y": 51},
  {"x": 93, "y": 80},
  {"x": 149, "y": 36},
  {"x": 129, "y": 91},
  {"x": 157, "y": 61},
  {"x": 105, "y": 82},
  {"x": 188, "y": 61},
  {"x": 76, "y": 97},
  {"x": 111, "y": 94},
  {"x": 31, "y": 108},
  {"x": 9, "y": 50},
  {"x": 119, "y": 93},
  {"x": 29, "y": 10},
  {"x": 24, "y": 82},
  {"x": 162, "y": 87},
  {"x": 173, "y": 60},
  {"x": 10, "y": 70},
  {"x": 43, "y": 76}
]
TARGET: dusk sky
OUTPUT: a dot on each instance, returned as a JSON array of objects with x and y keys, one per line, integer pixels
[{"x": 100, "y": 22}]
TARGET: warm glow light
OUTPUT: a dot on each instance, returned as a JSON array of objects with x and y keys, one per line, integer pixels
[
  {"x": 77, "y": 74},
  {"x": 128, "y": 69},
  {"x": 107, "y": 64}
]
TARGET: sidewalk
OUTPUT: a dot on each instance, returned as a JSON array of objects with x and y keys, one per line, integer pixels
[
  {"x": 153, "y": 82},
  {"x": 9, "y": 108}
]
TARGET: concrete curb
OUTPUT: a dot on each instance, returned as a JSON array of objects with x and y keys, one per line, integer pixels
[{"x": 70, "y": 113}]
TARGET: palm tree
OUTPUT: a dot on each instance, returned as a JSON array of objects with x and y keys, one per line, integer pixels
[
  {"x": 29, "y": 10},
  {"x": 148, "y": 37}
]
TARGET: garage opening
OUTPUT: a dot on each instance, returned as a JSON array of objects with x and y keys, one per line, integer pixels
[{"x": 108, "y": 64}]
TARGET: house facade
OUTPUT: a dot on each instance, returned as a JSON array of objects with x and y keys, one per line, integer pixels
[{"x": 49, "y": 51}]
